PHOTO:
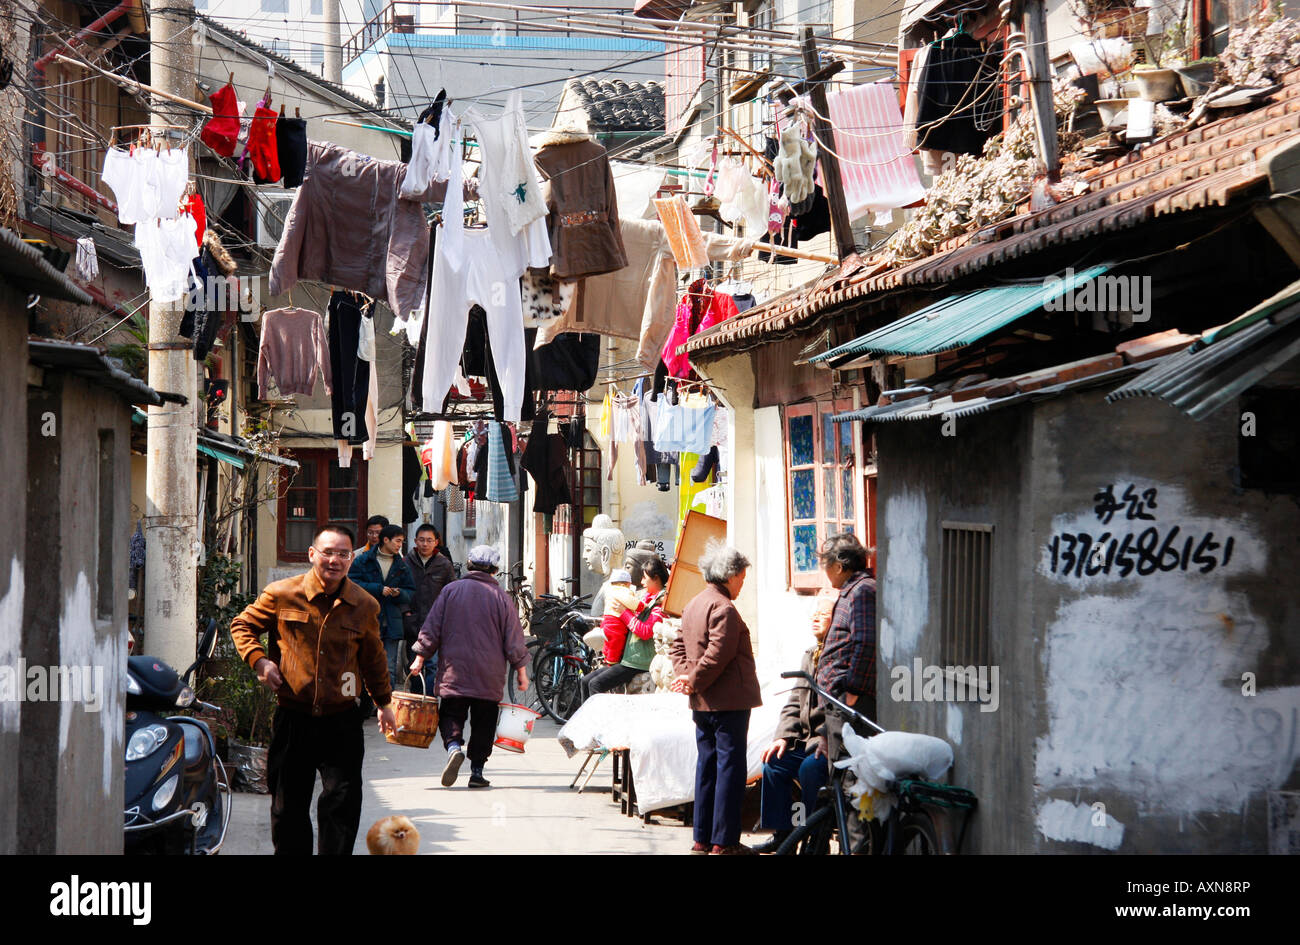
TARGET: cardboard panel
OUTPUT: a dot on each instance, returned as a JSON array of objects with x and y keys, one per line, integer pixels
[{"x": 685, "y": 580}]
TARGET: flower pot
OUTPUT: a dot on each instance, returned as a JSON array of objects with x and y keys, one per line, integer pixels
[
  {"x": 1112, "y": 110},
  {"x": 1197, "y": 77},
  {"x": 1157, "y": 85}
]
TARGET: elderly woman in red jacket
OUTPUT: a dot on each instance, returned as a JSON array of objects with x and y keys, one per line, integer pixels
[{"x": 714, "y": 662}]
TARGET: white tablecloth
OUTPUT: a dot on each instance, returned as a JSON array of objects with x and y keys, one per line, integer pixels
[{"x": 660, "y": 733}]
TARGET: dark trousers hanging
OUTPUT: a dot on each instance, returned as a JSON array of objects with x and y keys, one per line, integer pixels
[{"x": 351, "y": 375}]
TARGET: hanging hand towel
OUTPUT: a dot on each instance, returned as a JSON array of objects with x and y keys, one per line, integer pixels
[
  {"x": 875, "y": 164},
  {"x": 683, "y": 232},
  {"x": 87, "y": 259}
]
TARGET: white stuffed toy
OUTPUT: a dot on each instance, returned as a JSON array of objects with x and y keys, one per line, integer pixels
[{"x": 794, "y": 164}]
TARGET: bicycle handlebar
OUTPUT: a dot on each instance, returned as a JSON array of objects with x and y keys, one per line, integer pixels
[{"x": 845, "y": 709}]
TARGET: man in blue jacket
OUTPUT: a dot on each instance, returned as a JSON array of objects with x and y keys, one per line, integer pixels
[{"x": 382, "y": 572}]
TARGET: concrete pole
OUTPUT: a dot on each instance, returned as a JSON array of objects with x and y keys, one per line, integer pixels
[
  {"x": 172, "y": 550},
  {"x": 333, "y": 42},
  {"x": 1040, "y": 86}
]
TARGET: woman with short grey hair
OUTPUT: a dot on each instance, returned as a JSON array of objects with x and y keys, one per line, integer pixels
[{"x": 714, "y": 662}]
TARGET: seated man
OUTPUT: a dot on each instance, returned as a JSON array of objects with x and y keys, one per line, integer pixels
[{"x": 799, "y": 752}]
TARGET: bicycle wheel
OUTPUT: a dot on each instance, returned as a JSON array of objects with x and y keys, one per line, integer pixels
[
  {"x": 918, "y": 836},
  {"x": 813, "y": 838},
  {"x": 566, "y": 696},
  {"x": 529, "y": 698},
  {"x": 545, "y": 667}
]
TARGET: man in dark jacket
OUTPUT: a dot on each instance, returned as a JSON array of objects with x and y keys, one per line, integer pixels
[
  {"x": 382, "y": 572},
  {"x": 474, "y": 628},
  {"x": 432, "y": 571}
]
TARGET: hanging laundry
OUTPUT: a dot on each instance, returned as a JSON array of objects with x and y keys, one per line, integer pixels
[
  {"x": 204, "y": 316},
  {"x": 350, "y": 375},
  {"x": 509, "y": 186},
  {"x": 430, "y": 154},
  {"x": 510, "y": 180},
  {"x": 546, "y": 459},
  {"x": 959, "y": 98},
  {"x": 293, "y": 349},
  {"x": 639, "y": 301},
  {"x": 167, "y": 248},
  {"x": 451, "y": 294},
  {"x": 686, "y": 426},
  {"x": 876, "y": 165},
  {"x": 911, "y": 101},
  {"x": 438, "y": 457},
  {"x": 291, "y": 149},
  {"x": 455, "y": 499},
  {"x": 635, "y": 185},
  {"x": 348, "y": 227},
  {"x": 263, "y": 151},
  {"x": 148, "y": 184},
  {"x": 366, "y": 352},
  {"x": 545, "y": 298},
  {"x": 221, "y": 131},
  {"x": 570, "y": 361},
  {"x": 87, "y": 259},
  {"x": 683, "y": 230},
  {"x": 748, "y": 203},
  {"x": 626, "y": 423},
  {"x": 193, "y": 205},
  {"x": 582, "y": 206},
  {"x": 699, "y": 309},
  {"x": 501, "y": 485}
]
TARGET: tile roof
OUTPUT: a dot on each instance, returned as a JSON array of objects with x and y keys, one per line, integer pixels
[
  {"x": 1206, "y": 166},
  {"x": 619, "y": 105},
  {"x": 23, "y": 266}
]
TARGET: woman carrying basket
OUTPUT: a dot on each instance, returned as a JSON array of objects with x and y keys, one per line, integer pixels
[{"x": 474, "y": 628}]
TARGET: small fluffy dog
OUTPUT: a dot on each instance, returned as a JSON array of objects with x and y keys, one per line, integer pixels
[{"x": 393, "y": 836}]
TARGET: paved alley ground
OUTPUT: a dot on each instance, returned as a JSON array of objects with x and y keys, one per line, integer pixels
[{"x": 528, "y": 809}]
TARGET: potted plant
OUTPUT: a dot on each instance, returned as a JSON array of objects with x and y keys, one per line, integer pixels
[
  {"x": 1198, "y": 75},
  {"x": 1156, "y": 84}
]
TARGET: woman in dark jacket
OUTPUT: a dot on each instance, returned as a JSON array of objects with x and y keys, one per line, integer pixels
[{"x": 714, "y": 662}]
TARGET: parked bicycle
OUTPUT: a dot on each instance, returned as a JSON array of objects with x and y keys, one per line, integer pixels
[
  {"x": 555, "y": 637},
  {"x": 521, "y": 593},
  {"x": 927, "y": 817}
]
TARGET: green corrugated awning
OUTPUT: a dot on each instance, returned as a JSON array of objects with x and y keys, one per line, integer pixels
[
  {"x": 960, "y": 319},
  {"x": 222, "y": 455}
]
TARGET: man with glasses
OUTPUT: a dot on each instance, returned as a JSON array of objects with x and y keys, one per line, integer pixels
[{"x": 322, "y": 644}]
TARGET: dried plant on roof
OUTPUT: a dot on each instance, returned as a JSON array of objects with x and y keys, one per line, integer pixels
[
  {"x": 1263, "y": 52},
  {"x": 978, "y": 190}
]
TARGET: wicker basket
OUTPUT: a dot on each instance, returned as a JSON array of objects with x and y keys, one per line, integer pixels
[{"x": 417, "y": 718}]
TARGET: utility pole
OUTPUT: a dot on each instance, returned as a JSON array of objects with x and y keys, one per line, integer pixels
[
  {"x": 333, "y": 43},
  {"x": 1040, "y": 86},
  {"x": 844, "y": 243},
  {"x": 172, "y": 549}
]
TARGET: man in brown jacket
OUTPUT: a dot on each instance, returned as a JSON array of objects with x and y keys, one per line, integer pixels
[
  {"x": 714, "y": 662},
  {"x": 322, "y": 641}
]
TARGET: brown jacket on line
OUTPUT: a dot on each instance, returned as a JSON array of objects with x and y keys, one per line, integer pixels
[
  {"x": 713, "y": 651},
  {"x": 803, "y": 717},
  {"x": 582, "y": 207},
  {"x": 316, "y": 645}
]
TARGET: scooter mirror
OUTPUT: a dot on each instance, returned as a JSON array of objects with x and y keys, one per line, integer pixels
[{"x": 208, "y": 642}]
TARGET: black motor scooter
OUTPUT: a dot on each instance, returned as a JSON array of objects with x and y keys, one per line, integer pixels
[{"x": 177, "y": 793}]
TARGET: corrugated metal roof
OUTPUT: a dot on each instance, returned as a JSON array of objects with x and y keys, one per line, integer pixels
[
  {"x": 946, "y": 407},
  {"x": 1206, "y": 166},
  {"x": 962, "y": 319},
  {"x": 1226, "y": 361},
  {"x": 88, "y": 362},
  {"x": 25, "y": 267}
]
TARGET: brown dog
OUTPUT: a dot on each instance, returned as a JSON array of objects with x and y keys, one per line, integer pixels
[{"x": 393, "y": 836}]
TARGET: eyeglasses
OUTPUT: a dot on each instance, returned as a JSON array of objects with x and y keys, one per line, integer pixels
[{"x": 340, "y": 555}]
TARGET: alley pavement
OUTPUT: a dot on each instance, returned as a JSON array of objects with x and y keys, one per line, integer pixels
[{"x": 529, "y": 808}]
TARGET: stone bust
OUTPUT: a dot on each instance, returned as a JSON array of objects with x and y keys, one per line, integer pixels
[
  {"x": 602, "y": 545},
  {"x": 636, "y": 558}
]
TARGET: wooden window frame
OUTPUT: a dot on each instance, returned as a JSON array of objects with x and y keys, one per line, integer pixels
[
  {"x": 322, "y": 459},
  {"x": 846, "y": 517}
]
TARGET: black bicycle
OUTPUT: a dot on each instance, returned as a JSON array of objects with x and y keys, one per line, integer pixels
[
  {"x": 522, "y": 594},
  {"x": 558, "y": 657},
  {"x": 928, "y": 818}
]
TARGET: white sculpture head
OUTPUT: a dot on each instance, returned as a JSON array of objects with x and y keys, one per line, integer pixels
[{"x": 602, "y": 545}]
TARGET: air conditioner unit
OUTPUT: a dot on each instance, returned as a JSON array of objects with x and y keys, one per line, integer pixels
[{"x": 272, "y": 211}]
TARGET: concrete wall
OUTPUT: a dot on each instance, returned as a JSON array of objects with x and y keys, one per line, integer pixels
[
  {"x": 70, "y": 772},
  {"x": 13, "y": 565},
  {"x": 1121, "y": 723}
]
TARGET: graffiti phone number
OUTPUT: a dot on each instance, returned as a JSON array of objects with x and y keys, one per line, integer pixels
[{"x": 1143, "y": 553}]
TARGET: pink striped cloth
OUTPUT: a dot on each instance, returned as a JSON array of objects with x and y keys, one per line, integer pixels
[{"x": 875, "y": 165}]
